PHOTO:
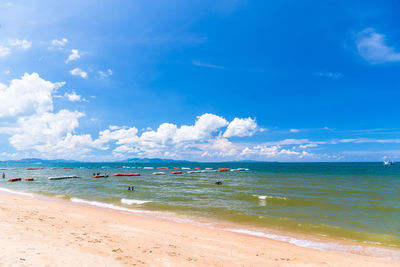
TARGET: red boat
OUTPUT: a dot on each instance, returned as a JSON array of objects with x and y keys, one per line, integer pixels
[
  {"x": 29, "y": 179},
  {"x": 30, "y": 169},
  {"x": 197, "y": 168},
  {"x": 14, "y": 179},
  {"x": 126, "y": 174},
  {"x": 223, "y": 169},
  {"x": 100, "y": 176},
  {"x": 176, "y": 172},
  {"x": 176, "y": 168},
  {"x": 162, "y": 168}
]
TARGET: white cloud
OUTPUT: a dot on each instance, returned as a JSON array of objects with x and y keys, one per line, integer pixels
[
  {"x": 275, "y": 152},
  {"x": 331, "y": 75},
  {"x": 30, "y": 94},
  {"x": 206, "y": 65},
  {"x": 45, "y": 130},
  {"x": 75, "y": 55},
  {"x": 73, "y": 97},
  {"x": 7, "y": 72},
  {"x": 4, "y": 51},
  {"x": 58, "y": 44},
  {"x": 79, "y": 72},
  {"x": 22, "y": 44},
  {"x": 372, "y": 47},
  {"x": 204, "y": 126},
  {"x": 294, "y": 130},
  {"x": 105, "y": 74},
  {"x": 241, "y": 127}
]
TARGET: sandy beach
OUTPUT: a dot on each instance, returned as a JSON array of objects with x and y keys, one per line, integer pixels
[{"x": 42, "y": 232}]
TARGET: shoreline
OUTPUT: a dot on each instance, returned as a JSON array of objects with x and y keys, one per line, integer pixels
[
  {"x": 306, "y": 240},
  {"x": 193, "y": 239}
]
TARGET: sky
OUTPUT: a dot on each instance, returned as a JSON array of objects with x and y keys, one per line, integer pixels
[{"x": 200, "y": 80}]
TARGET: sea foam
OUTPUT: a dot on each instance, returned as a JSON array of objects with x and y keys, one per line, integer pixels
[
  {"x": 330, "y": 246},
  {"x": 16, "y": 192},
  {"x": 133, "y": 201},
  {"x": 107, "y": 205}
]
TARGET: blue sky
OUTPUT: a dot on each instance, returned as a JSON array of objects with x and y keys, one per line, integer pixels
[{"x": 200, "y": 80}]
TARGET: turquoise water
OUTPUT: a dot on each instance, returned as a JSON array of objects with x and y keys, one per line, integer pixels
[{"x": 352, "y": 201}]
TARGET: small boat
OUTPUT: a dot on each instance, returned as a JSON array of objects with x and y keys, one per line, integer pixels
[
  {"x": 100, "y": 176},
  {"x": 30, "y": 169},
  {"x": 209, "y": 168},
  {"x": 62, "y": 177},
  {"x": 223, "y": 169},
  {"x": 176, "y": 172},
  {"x": 389, "y": 162},
  {"x": 29, "y": 179},
  {"x": 14, "y": 179},
  {"x": 147, "y": 168},
  {"x": 162, "y": 168},
  {"x": 197, "y": 168},
  {"x": 92, "y": 167},
  {"x": 126, "y": 174},
  {"x": 176, "y": 168},
  {"x": 185, "y": 168},
  {"x": 158, "y": 173},
  {"x": 118, "y": 167},
  {"x": 67, "y": 168}
]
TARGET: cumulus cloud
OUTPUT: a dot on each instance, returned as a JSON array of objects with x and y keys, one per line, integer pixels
[
  {"x": 4, "y": 51},
  {"x": 105, "y": 74},
  {"x": 22, "y": 44},
  {"x": 74, "y": 97},
  {"x": 241, "y": 127},
  {"x": 373, "y": 48},
  {"x": 30, "y": 94},
  {"x": 167, "y": 138},
  {"x": 79, "y": 72},
  {"x": 58, "y": 44},
  {"x": 75, "y": 55},
  {"x": 294, "y": 130},
  {"x": 44, "y": 130}
]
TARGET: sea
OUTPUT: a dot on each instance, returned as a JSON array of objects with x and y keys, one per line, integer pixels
[{"x": 347, "y": 207}]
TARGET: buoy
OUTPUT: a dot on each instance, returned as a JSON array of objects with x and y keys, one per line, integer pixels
[{"x": 100, "y": 176}]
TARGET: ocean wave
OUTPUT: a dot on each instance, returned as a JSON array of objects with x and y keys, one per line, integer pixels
[
  {"x": 16, "y": 192},
  {"x": 270, "y": 197},
  {"x": 326, "y": 246},
  {"x": 133, "y": 201},
  {"x": 106, "y": 205}
]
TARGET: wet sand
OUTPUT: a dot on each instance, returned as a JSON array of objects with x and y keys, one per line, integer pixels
[{"x": 39, "y": 232}]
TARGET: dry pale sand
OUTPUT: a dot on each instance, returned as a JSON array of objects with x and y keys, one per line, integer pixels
[{"x": 39, "y": 232}]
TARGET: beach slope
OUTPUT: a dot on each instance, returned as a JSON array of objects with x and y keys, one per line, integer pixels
[{"x": 39, "y": 232}]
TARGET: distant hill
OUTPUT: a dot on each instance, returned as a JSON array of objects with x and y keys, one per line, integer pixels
[
  {"x": 37, "y": 160},
  {"x": 155, "y": 160}
]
